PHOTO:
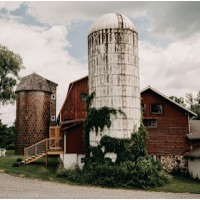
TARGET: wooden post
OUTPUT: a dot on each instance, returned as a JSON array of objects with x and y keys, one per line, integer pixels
[
  {"x": 24, "y": 156},
  {"x": 46, "y": 151},
  {"x": 46, "y": 159}
]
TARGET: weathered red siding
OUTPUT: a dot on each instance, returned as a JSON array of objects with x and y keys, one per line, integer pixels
[
  {"x": 74, "y": 140},
  {"x": 74, "y": 107},
  {"x": 169, "y": 137}
]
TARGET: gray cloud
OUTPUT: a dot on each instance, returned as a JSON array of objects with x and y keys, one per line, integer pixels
[
  {"x": 171, "y": 19},
  {"x": 167, "y": 19},
  {"x": 10, "y": 6},
  {"x": 44, "y": 52},
  {"x": 179, "y": 19},
  {"x": 172, "y": 68}
]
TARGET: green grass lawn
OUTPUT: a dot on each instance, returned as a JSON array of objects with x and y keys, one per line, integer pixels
[
  {"x": 38, "y": 170},
  {"x": 181, "y": 184},
  {"x": 35, "y": 170}
]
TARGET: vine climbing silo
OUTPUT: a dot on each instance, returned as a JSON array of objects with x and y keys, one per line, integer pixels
[
  {"x": 36, "y": 110},
  {"x": 114, "y": 73}
]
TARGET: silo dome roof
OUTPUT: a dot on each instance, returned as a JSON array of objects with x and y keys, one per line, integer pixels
[
  {"x": 35, "y": 82},
  {"x": 111, "y": 20}
]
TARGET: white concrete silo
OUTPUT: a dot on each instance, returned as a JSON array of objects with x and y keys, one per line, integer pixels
[{"x": 114, "y": 73}]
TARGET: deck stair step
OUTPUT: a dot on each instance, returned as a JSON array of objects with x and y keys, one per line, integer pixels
[
  {"x": 33, "y": 158},
  {"x": 48, "y": 146}
]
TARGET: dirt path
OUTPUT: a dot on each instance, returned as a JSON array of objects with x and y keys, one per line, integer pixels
[{"x": 16, "y": 187}]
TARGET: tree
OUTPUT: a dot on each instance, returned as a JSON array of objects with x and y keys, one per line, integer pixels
[
  {"x": 7, "y": 136},
  {"x": 194, "y": 103},
  {"x": 189, "y": 99},
  {"x": 10, "y": 66},
  {"x": 190, "y": 102},
  {"x": 179, "y": 100}
]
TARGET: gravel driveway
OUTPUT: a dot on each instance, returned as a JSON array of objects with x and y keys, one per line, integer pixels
[{"x": 16, "y": 187}]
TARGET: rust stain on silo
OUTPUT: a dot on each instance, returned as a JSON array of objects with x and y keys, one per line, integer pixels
[{"x": 114, "y": 70}]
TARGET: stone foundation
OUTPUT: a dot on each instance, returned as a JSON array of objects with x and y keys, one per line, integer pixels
[{"x": 174, "y": 163}]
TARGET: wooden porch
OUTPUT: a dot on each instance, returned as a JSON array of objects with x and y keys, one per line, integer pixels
[{"x": 49, "y": 146}]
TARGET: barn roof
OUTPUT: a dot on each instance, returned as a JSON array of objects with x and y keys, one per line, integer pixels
[
  {"x": 194, "y": 136},
  {"x": 67, "y": 125},
  {"x": 195, "y": 153},
  {"x": 69, "y": 89},
  {"x": 35, "y": 82},
  {"x": 167, "y": 98}
]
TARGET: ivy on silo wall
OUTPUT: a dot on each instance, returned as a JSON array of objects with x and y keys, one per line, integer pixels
[
  {"x": 133, "y": 167},
  {"x": 97, "y": 119}
]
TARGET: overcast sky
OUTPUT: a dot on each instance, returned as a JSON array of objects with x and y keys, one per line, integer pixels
[{"x": 51, "y": 37}]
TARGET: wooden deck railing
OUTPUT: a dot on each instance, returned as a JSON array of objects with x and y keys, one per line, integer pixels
[{"x": 42, "y": 148}]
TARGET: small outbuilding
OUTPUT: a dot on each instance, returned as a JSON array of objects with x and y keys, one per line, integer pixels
[
  {"x": 193, "y": 156},
  {"x": 194, "y": 135},
  {"x": 194, "y": 163}
]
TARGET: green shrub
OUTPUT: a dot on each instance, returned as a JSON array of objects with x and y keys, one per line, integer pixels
[
  {"x": 75, "y": 175},
  {"x": 143, "y": 173},
  {"x": 133, "y": 167},
  {"x": 130, "y": 170},
  {"x": 7, "y": 136},
  {"x": 10, "y": 146},
  {"x": 178, "y": 171},
  {"x": 19, "y": 159},
  {"x": 60, "y": 170},
  {"x": 16, "y": 164}
]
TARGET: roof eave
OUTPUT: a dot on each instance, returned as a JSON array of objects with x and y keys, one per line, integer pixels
[
  {"x": 164, "y": 96},
  {"x": 191, "y": 137}
]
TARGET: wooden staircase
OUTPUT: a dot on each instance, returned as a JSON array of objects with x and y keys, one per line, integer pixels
[{"x": 48, "y": 146}]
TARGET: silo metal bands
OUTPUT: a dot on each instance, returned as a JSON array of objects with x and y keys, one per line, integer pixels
[{"x": 114, "y": 72}]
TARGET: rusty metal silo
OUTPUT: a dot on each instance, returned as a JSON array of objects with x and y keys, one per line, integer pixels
[
  {"x": 35, "y": 110},
  {"x": 114, "y": 72}
]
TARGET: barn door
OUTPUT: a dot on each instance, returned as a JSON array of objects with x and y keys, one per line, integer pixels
[{"x": 54, "y": 136}]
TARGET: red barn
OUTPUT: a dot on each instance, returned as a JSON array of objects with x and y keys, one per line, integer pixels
[
  {"x": 72, "y": 116},
  {"x": 167, "y": 123},
  {"x": 74, "y": 106}
]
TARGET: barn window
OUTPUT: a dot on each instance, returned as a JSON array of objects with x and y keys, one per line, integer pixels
[
  {"x": 53, "y": 96},
  {"x": 83, "y": 96},
  {"x": 53, "y": 118},
  {"x": 157, "y": 108},
  {"x": 150, "y": 123}
]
